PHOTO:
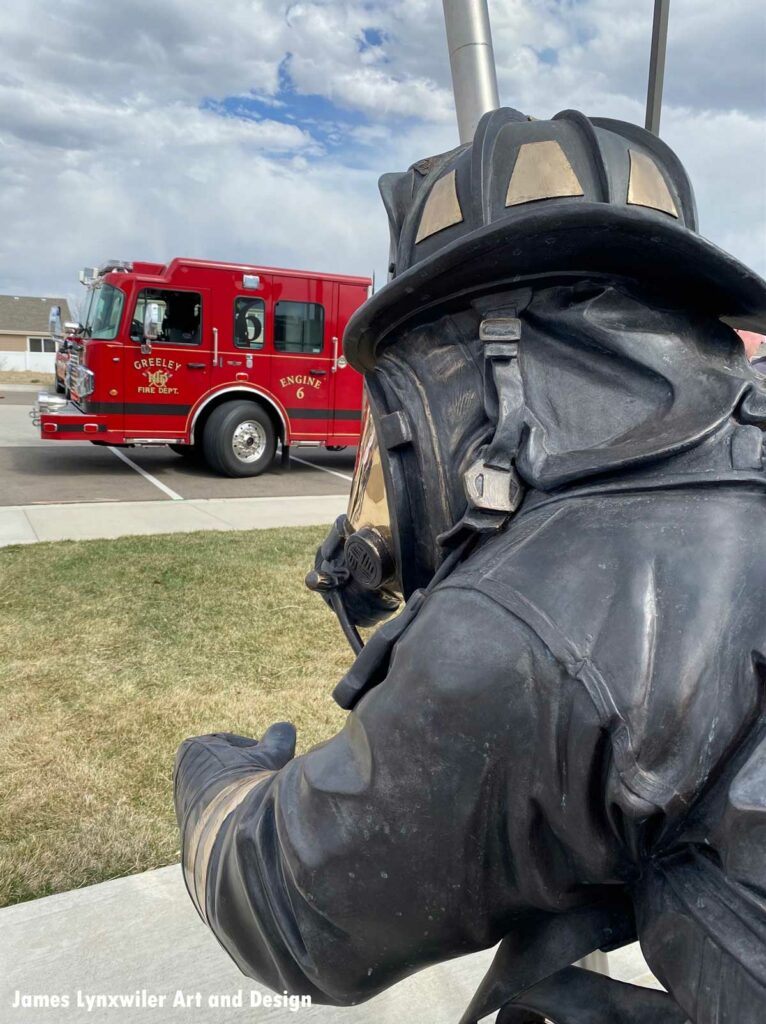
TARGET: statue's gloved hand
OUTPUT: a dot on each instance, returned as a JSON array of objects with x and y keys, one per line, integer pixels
[
  {"x": 330, "y": 574},
  {"x": 205, "y": 764}
]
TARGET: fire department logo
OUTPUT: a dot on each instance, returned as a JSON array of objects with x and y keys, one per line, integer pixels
[
  {"x": 158, "y": 373},
  {"x": 158, "y": 378}
]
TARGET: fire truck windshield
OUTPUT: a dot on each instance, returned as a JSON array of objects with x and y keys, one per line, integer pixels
[{"x": 104, "y": 312}]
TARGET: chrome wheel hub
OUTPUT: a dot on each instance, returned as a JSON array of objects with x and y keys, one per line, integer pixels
[{"x": 249, "y": 441}]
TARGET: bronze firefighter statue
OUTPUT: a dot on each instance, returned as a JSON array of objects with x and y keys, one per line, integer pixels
[{"x": 558, "y": 743}]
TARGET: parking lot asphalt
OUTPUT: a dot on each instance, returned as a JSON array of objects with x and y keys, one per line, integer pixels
[{"x": 33, "y": 471}]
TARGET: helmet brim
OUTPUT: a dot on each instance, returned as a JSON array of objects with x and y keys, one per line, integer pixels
[{"x": 650, "y": 249}]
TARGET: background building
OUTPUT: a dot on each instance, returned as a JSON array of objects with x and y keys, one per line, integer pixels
[{"x": 25, "y": 338}]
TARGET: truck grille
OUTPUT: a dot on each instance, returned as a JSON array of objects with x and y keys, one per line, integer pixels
[
  {"x": 72, "y": 364},
  {"x": 79, "y": 380}
]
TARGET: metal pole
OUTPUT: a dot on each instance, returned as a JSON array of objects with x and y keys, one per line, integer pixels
[
  {"x": 472, "y": 60},
  {"x": 657, "y": 65}
]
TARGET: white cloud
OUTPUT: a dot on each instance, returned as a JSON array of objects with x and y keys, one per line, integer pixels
[{"x": 119, "y": 135}]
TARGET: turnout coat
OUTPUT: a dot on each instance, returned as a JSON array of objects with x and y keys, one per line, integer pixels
[
  {"x": 574, "y": 716},
  {"x": 560, "y": 745}
]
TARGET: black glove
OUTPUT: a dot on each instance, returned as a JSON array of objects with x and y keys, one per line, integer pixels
[
  {"x": 330, "y": 574},
  {"x": 205, "y": 763}
]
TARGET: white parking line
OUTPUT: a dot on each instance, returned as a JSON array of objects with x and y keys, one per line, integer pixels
[
  {"x": 147, "y": 476},
  {"x": 324, "y": 469}
]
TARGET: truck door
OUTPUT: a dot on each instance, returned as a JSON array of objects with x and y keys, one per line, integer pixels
[
  {"x": 301, "y": 364},
  {"x": 244, "y": 342},
  {"x": 161, "y": 385}
]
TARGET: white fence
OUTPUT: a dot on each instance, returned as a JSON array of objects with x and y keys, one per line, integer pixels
[{"x": 37, "y": 362}]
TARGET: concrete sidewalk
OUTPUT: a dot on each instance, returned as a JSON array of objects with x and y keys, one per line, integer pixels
[
  {"x": 28, "y": 524},
  {"x": 142, "y": 933}
]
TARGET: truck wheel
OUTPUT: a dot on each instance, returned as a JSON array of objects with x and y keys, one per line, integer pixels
[{"x": 239, "y": 439}]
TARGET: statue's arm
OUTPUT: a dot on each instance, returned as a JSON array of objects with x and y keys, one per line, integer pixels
[{"x": 391, "y": 846}]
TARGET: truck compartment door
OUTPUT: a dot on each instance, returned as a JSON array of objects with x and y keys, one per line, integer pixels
[
  {"x": 301, "y": 366},
  {"x": 347, "y": 383}
]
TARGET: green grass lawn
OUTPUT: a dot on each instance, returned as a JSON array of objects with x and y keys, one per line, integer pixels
[{"x": 111, "y": 653}]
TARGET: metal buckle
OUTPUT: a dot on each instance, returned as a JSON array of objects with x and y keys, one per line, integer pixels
[{"x": 491, "y": 488}]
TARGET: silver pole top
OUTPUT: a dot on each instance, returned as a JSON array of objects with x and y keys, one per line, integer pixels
[
  {"x": 472, "y": 61},
  {"x": 657, "y": 65}
]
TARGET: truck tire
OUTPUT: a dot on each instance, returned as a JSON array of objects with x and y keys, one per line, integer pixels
[{"x": 239, "y": 439}]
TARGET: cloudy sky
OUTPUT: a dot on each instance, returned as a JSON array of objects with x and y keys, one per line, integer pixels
[{"x": 255, "y": 130}]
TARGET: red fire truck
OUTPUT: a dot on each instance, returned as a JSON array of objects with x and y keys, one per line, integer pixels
[{"x": 219, "y": 359}]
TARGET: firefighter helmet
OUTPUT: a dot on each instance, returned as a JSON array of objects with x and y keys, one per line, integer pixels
[{"x": 530, "y": 199}]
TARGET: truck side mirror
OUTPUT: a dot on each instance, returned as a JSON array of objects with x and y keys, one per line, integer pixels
[
  {"x": 54, "y": 322},
  {"x": 152, "y": 324}
]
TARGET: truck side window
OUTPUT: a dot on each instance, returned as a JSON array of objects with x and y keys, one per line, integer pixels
[
  {"x": 249, "y": 321},
  {"x": 299, "y": 327},
  {"x": 181, "y": 316}
]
